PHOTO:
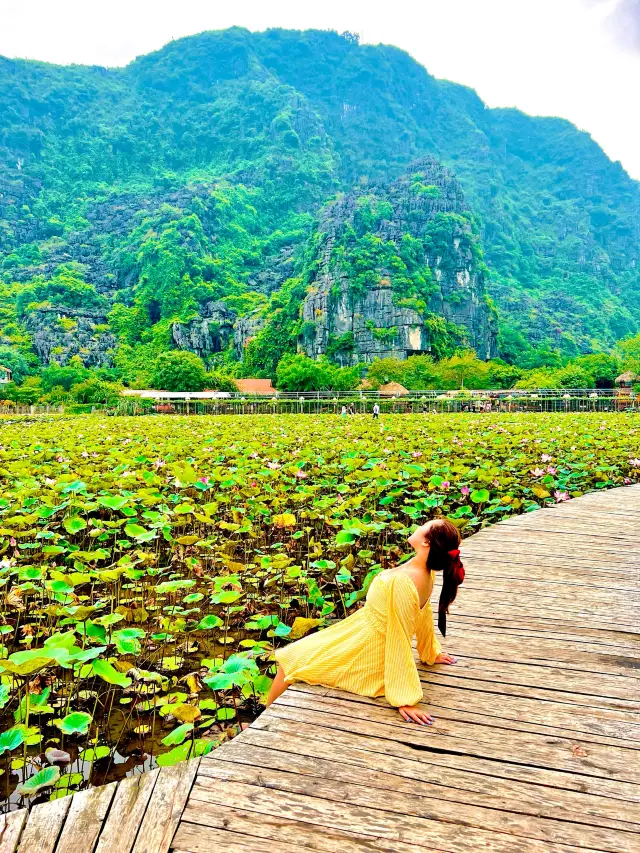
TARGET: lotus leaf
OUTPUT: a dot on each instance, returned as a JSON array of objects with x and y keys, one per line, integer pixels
[
  {"x": 11, "y": 739},
  {"x": 108, "y": 673},
  {"x": 177, "y": 735},
  {"x": 75, "y": 723},
  {"x": 44, "y": 778}
]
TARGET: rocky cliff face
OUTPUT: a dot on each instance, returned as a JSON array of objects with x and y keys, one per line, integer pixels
[
  {"x": 59, "y": 333},
  {"x": 208, "y": 334},
  {"x": 398, "y": 273}
]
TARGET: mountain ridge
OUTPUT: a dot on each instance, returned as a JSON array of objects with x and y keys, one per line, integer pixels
[{"x": 196, "y": 172}]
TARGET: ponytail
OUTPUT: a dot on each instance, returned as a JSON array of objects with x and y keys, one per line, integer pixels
[
  {"x": 444, "y": 556},
  {"x": 452, "y": 577}
]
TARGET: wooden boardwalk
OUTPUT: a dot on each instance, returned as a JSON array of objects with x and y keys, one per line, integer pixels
[{"x": 536, "y": 744}]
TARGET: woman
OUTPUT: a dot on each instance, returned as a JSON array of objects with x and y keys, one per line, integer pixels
[{"x": 370, "y": 652}]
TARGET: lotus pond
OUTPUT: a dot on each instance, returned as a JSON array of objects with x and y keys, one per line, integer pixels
[{"x": 148, "y": 567}]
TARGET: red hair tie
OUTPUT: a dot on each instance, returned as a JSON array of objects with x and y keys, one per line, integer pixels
[{"x": 454, "y": 553}]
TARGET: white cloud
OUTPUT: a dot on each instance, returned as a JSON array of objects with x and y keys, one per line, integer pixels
[{"x": 554, "y": 57}]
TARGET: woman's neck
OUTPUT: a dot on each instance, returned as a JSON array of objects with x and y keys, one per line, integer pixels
[{"x": 418, "y": 561}]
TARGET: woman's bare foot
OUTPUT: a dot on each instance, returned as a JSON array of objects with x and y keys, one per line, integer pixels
[{"x": 444, "y": 658}]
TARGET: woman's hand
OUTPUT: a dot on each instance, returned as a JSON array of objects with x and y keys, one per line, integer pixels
[
  {"x": 412, "y": 714},
  {"x": 443, "y": 658}
]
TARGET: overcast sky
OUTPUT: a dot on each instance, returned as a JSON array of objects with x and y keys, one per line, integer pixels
[{"x": 579, "y": 59}]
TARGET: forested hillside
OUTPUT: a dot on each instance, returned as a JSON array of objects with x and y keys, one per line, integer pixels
[{"x": 184, "y": 201}]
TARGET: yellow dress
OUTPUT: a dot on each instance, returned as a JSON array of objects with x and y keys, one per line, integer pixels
[{"x": 370, "y": 652}]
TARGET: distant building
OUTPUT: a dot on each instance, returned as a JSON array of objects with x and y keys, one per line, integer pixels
[
  {"x": 627, "y": 380},
  {"x": 255, "y": 386},
  {"x": 5, "y": 375},
  {"x": 393, "y": 389}
]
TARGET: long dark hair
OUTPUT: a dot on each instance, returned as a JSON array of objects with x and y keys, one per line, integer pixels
[{"x": 444, "y": 556}]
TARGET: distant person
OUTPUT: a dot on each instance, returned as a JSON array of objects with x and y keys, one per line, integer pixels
[
  {"x": 351, "y": 411},
  {"x": 370, "y": 653},
  {"x": 376, "y": 411},
  {"x": 344, "y": 412}
]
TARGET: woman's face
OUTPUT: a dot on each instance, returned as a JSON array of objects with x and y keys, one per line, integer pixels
[{"x": 417, "y": 540}]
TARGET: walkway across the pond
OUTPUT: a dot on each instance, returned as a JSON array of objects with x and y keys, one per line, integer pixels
[{"x": 536, "y": 744}]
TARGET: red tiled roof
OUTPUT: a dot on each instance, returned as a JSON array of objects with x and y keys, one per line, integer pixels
[{"x": 255, "y": 386}]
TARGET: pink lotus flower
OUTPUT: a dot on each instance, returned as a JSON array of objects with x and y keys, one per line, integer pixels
[
  {"x": 254, "y": 485},
  {"x": 551, "y": 469},
  {"x": 416, "y": 454},
  {"x": 546, "y": 458},
  {"x": 465, "y": 490},
  {"x": 301, "y": 474},
  {"x": 159, "y": 463},
  {"x": 204, "y": 480},
  {"x": 255, "y": 455},
  {"x": 627, "y": 481},
  {"x": 537, "y": 472},
  {"x": 273, "y": 465},
  {"x": 445, "y": 484},
  {"x": 635, "y": 463},
  {"x": 561, "y": 496}
]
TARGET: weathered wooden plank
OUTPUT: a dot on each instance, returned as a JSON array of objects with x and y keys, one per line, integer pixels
[
  {"x": 276, "y": 830},
  {"x": 392, "y": 771},
  {"x": 544, "y": 647},
  {"x": 11, "y": 826},
  {"x": 44, "y": 826},
  {"x": 85, "y": 818},
  {"x": 207, "y": 839},
  {"x": 127, "y": 812},
  {"x": 552, "y": 751},
  {"x": 440, "y": 678},
  {"x": 332, "y": 781},
  {"x": 519, "y": 713},
  {"x": 553, "y": 678},
  {"x": 481, "y": 646},
  {"x": 419, "y": 832},
  {"x": 339, "y": 736},
  {"x": 165, "y": 807},
  {"x": 604, "y": 636}
]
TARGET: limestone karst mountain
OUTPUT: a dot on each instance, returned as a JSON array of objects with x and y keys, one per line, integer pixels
[{"x": 215, "y": 192}]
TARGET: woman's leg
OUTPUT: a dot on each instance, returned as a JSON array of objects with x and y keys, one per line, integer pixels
[{"x": 278, "y": 686}]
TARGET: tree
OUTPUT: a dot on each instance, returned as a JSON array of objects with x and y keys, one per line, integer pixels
[
  {"x": 220, "y": 382},
  {"x": 15, "y": 361},
  {"x": 301, "y": 373},
  {"x": 629, "y": 352},
  {"x": 384, "y": 370},
  {"x": 95, "y": 390},
  {"x": 601, "y": 366},
  {"x": 71, "y": 374},
  {"x": 179, "y": 371}
]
